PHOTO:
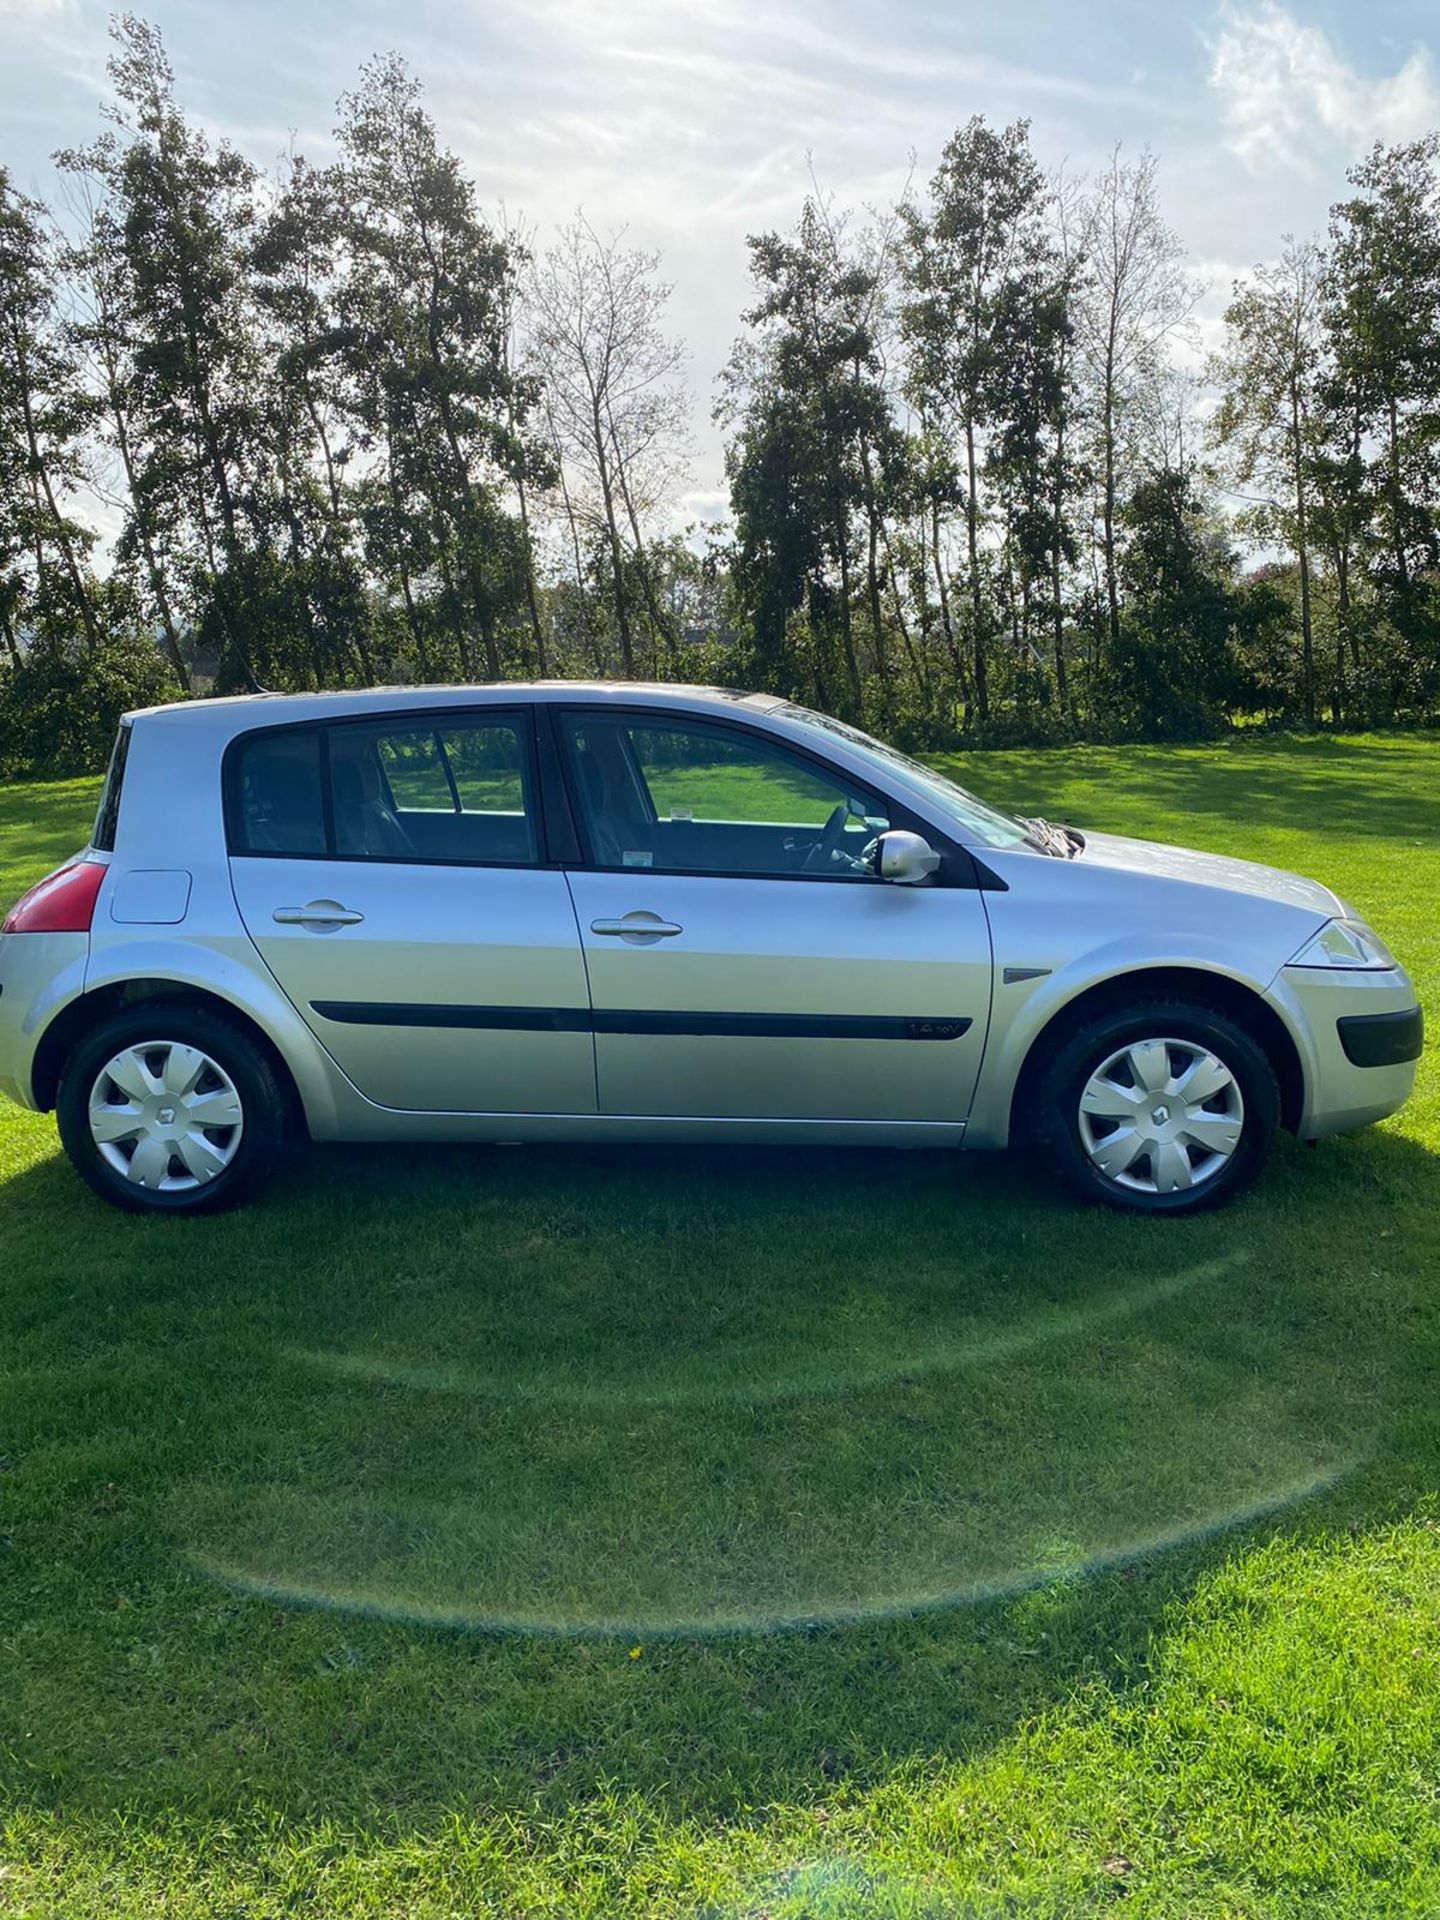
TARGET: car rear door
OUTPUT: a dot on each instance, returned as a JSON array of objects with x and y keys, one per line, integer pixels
[
  {"x": 743, "y": 963},
  {"x": 391, "y": 873}
]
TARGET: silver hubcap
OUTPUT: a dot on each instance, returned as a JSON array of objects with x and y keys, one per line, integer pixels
[
  {"x": 165, "y": 1116},
  {"x": 1161, "y": 1116}
]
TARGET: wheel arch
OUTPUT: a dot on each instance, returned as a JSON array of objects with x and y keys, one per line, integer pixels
[
  {"x": 84, "y": 1012},
  {"x": 1217, "y": 990}
]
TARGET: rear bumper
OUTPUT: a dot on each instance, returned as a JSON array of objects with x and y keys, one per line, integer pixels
[
  {"x": 1362, "y": 1033},
  {"x": 40, "y": 973}
]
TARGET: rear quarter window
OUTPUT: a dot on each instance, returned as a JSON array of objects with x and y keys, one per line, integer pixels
[
  {"x": 103, "y": 838},
  {"x": 276, "y": 802}
]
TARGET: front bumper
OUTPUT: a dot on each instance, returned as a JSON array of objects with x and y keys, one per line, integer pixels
[
  {"x": 1360, "y": 1035},
  {"x": 40, "y": 973},
  {"x": 1382, "y": 1039}
]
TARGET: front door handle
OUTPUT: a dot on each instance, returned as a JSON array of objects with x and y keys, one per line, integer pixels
[
  {"x": 642, "y": 929},
  {"x": 321, "y": 914}
]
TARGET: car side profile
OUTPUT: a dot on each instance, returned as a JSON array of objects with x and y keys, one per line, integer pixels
[{"x": 601, "y": 912}]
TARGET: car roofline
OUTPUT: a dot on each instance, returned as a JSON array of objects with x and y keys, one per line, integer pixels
[{"x": 247, "y": 710}]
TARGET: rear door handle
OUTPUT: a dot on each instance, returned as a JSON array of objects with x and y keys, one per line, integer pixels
[
  {"x": 642, "y": 928},
  {"x": 317, "y": 913}
]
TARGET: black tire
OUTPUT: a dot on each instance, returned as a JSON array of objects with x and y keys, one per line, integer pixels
[
  {"x": 1057, "y": 1117},
  {"x": 252, "y": 1073}
]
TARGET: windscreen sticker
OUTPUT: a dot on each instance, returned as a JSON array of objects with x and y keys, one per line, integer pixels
[{"x": 632, "y": 859}]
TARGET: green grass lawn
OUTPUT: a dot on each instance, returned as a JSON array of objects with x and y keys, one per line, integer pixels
[{"x": 614, "y": 1533}]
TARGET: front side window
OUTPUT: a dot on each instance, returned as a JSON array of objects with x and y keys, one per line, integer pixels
[{"x": 688, "y": 797}]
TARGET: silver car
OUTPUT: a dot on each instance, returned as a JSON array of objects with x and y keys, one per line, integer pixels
[{"x": 641, "y": 913}]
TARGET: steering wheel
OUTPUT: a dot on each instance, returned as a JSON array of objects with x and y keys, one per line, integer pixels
[{"x": 828, "y": 845}]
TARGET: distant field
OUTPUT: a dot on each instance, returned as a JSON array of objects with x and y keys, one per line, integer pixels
[
  {"x": 40, "y": 824},
  {"x": 720, "y": 1534}
]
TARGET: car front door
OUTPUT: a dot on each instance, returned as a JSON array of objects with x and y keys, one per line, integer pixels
[
  {"x": 390, "y": 873},
  {"x": 744, "y": 961}
]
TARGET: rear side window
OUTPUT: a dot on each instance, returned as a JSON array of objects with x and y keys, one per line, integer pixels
[
  {"x": 277, "y": 803},
  {"x": 457, "y": 791},
  {"x": 103, "y": 837}
]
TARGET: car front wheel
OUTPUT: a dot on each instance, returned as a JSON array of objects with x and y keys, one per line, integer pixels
[
  {"x": 1165, "y": 1106},
  {"x": 169, "y": 1108}
]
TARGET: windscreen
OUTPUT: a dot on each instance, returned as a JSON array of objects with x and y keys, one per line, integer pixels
[{"x": 977, "y": 819}]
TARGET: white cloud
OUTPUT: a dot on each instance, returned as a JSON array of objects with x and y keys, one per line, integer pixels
[{"x": 1288, "y": 94}]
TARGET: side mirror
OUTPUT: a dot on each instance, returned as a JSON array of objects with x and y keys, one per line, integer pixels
[{"x": 903, "y": 858}]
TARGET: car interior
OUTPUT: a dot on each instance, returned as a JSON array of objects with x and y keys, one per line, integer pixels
[
  {"x": 677, "y": 799},
  {"x": 457, "y": 794},
  {"x": 698, "y": 800}
]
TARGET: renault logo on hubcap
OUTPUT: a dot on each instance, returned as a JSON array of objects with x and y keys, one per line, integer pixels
[
  {"x": 166, "y": 1116},
  {"x": 1162, "y": 1116}
]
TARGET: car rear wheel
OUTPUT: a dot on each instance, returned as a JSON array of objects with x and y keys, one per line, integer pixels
[
  {"x": 171, "y": 1109},
  {"x": 1165, "y": 1106}
]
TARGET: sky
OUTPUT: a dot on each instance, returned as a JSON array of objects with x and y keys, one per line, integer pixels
[{"x": 692, "y": 125}]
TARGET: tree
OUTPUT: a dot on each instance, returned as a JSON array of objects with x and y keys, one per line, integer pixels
[
  {"x": 423, "y": 328},
  {"x": 816, "y": 448},
  {"x": 977, "y": 255},
  {"x": 1027, "y": 456},
  {"x": 1136, "y": 296},
  {"x": 1173, "y": 671},
  {"x": 101, "y": 328},
  {"x": 306, "y": 422},
  {"x": 45, "y": 413},
  {"x": 1382, "y": 315},
  {"x": 617, "y": 407},
  {"x": 184, "y": 212},
  {"x": 1267, "y": 373}
]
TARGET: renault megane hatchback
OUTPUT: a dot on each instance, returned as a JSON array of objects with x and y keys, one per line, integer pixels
[{"x": 619, "y": 912}]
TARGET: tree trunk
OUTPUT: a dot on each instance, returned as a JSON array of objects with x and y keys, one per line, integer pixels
[
  {"x": 817, "y": 635},
  {"x": 447, "y": 575},
  {"x": 972, "y": 536},
  {"x": 474, "y": 575},
  {"x": 617, "y": 566},
  {"x": 1302, "y": 555},
  {"x": 153, "y": 569},
  {"x": 139, "y": 509},
  {"x": 41, "y": 473},
  {"x": 642, "y": 567},
  {"x": 1397, "y": 528},
  {"x": 847, "y": 631},
  {"x": 872, "y": 571},
  {"x": 581, "y": 598},
  {"x": 962, "y": 679},
  {"x": 532, "y": 603},
  {"x": 918, "y": 666},
  {"x": 411, "y": 612},
  {"x": 1057, "y": 574},
  {"x": 1112, "y": 590}
]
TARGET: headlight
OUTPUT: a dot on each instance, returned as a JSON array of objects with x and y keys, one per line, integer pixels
[{"x": 1345, "y": 943}]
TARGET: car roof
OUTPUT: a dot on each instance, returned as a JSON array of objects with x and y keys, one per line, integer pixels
[{"x": 274, "y": 709}]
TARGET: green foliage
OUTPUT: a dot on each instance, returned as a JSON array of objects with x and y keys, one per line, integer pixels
[
  {"x": 814, "y": 444},
  {"x": 359, "y": 435},
  {"x": 44, "y": 414},
  {"x": 61, "y": 702}
]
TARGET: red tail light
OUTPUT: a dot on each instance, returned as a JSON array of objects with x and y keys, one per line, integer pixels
[{"x": 62, "y": 903}]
